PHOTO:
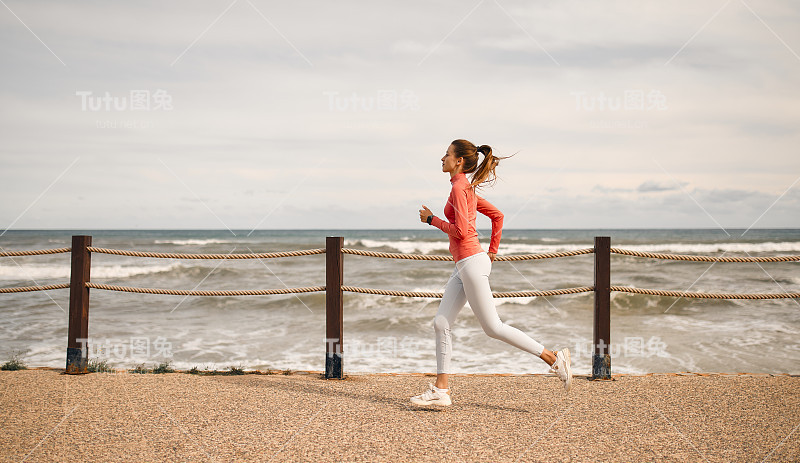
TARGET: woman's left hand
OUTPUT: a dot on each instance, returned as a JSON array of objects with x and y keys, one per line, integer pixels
[{"x": 491, "y": 256}]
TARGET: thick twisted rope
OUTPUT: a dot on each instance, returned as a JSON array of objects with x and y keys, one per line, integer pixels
[
  {"x": 551, "y": 292},
  {"x": 654, "y": 255},
  {"x": 659, "y": 292},
  {"x": 547, "y": 255},
  {"x": 387, "y": 292},
  {"x": 183, "y": 292},
  {"x": 395, "y": 255},
  {"x": 171, "y": 255},
  {"x": 38, "y": 252},
  {"x": 25, "y": 289}
]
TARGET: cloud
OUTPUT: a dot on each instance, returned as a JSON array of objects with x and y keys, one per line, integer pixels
[
  {"x": 651, "y": 186},
  {"x": 605, "y": 189},
  {"x": 648, "y": 186}
]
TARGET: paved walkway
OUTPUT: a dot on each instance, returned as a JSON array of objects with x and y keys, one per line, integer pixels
[{"x": 47, "y": 416}]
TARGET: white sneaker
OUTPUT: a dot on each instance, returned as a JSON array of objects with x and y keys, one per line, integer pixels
[
  {"x": 432, "y": 396},
  {"x": 562, "y": 368}
]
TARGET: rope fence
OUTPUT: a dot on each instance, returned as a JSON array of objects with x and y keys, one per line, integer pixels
[
  {"x": 548, "y": 255},
  {"x": 26, "y": 289},
  {"x": 334, "y": 288},
  {"x": 387, "y": 292},
  {"x": 696, "y": 295},
  {"x": 38, "y": 252},
  {"x": 395, "y": 255},
  {"x": 172, "y": 255},
  {"x": 653, "y": 255},
  {"x": 391, "y": 255},
  {"x": 182, "y": 292}
]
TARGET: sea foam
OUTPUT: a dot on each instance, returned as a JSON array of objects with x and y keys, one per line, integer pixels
[{"x": 43, "y": 272}]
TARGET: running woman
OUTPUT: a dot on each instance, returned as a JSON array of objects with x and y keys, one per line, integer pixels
[{"x": 470, "y": 279}]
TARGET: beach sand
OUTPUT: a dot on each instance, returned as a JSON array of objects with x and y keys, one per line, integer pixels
[{"x": 48, "y": 416}]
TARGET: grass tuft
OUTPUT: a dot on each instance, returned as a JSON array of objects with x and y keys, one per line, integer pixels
[
  {"x": 15, "y": 363},
  {"x": 140, "y": 368},
  {"x": 163, "y": 367},
  {"x": 98, "y": 366}
]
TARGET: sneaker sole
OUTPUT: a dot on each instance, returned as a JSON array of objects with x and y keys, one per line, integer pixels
[
  {"x": 568, "y": 383},
  {"x": 436, "y": 403}
]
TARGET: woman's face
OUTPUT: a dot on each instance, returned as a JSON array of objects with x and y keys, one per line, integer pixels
[{"x": 450, "y": 163}]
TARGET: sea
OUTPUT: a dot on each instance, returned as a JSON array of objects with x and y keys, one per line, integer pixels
[{"x": 395, "y": 334}]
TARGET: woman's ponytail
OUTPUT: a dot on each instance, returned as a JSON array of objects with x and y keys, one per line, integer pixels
[{"x": 485, "y": 173}]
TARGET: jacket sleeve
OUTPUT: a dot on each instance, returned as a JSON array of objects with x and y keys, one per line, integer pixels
[
  {"x": 486, "y": 208},
  {"x": 458, "y": 200}
]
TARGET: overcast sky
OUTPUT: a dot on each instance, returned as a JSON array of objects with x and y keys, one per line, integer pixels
[{"x": 243, "y": 114}]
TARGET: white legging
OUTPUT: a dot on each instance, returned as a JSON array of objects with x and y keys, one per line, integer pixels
[{"x": 470, "y": 282}]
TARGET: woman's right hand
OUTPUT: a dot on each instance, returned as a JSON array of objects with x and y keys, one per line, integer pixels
[{"x": 424, "y": 213}]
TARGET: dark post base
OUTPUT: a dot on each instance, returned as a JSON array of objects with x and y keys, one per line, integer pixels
[
  {"x": 601, "y": 366},
  {"x": 333, "y": 366},
  {"x": 76, "y": 361}
]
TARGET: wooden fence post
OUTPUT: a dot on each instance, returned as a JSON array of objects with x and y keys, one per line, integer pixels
[
  {"x": 601, "y": 359},
  {"x": 334, "y": 277},
  {"x": 78, "y": 332}
]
